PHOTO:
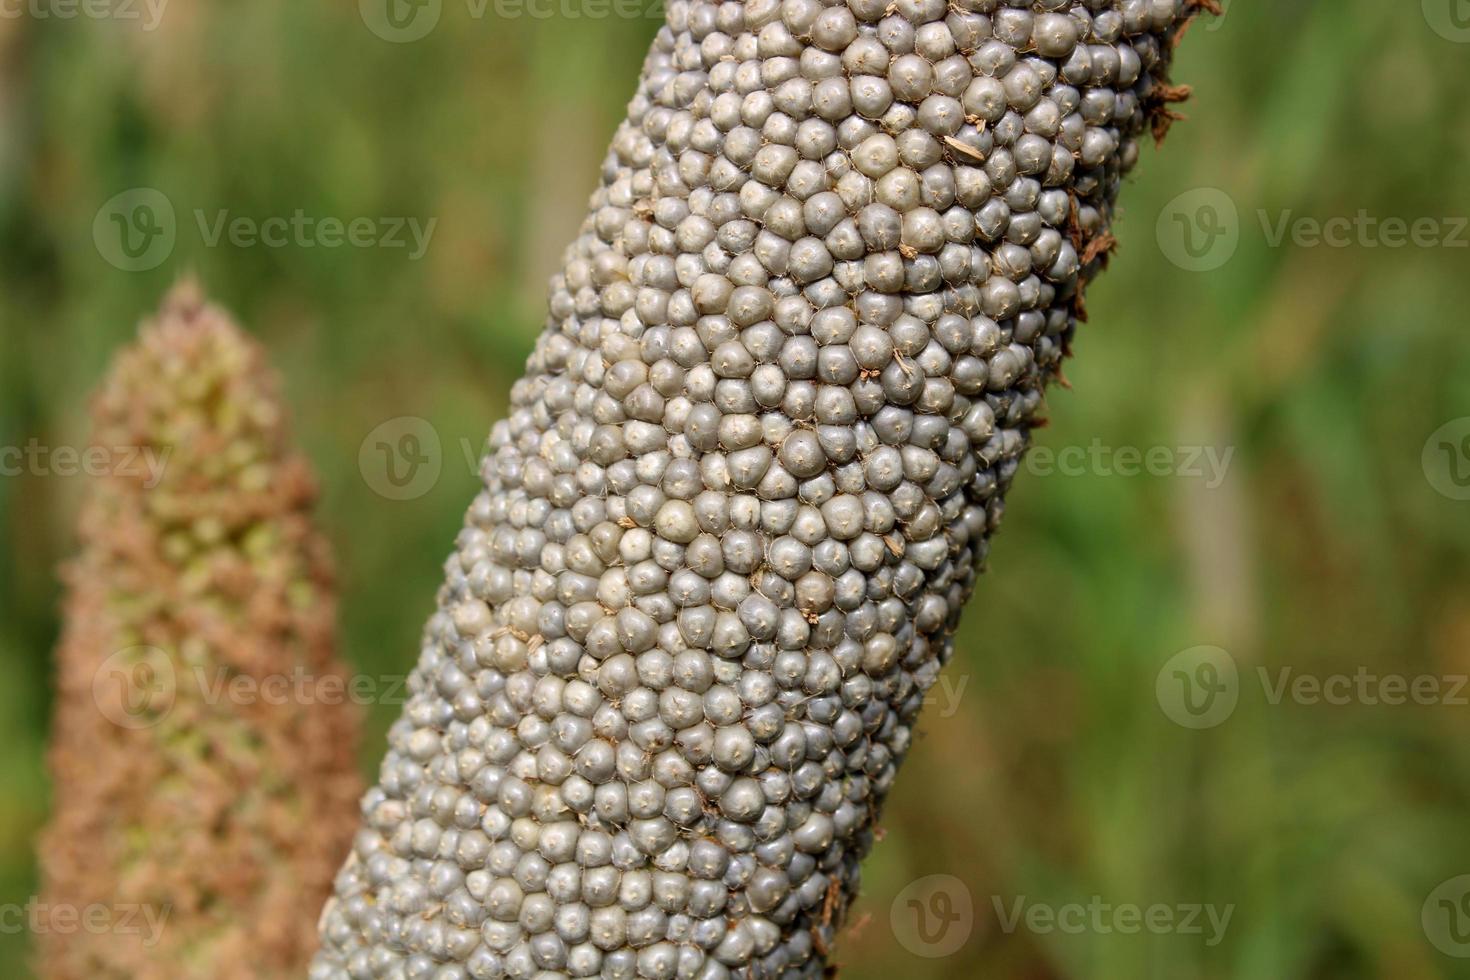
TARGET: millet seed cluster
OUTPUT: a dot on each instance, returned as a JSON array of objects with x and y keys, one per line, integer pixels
[
  {"x": 746, "y": 486},
  {"x": 207, "y": 825}
]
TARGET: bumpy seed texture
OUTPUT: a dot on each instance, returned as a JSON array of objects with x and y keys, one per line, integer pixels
[
  {"x": 203, "y": 750},
  {"x": 745, "y": 488}
]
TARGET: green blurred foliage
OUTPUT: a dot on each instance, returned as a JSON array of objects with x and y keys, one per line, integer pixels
[{"x": 1048, "y": 770}]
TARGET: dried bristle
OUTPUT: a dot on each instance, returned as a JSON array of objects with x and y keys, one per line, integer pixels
[
  {"x": 219, "y": 816},
  {"x": 746, "y": 485}
]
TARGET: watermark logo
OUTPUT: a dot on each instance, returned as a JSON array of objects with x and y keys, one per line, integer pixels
[
  {"x": 1450, "y": 19},
  {"x": 933, "y": 916},
  {"x": 401, "y": 21},
  {"x": 1199, "y": 230},
  {"x": 402, "y": 458},
  {"x": 136, "y": 230},
  {"x": 1446, "y": 917},
  {"x": 1199, "y": 687},
  {"x": 135, "y": 688},
  {"x": 1446, "y": 459}
]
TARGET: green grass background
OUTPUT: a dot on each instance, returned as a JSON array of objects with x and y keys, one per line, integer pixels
[{"x": 1057, "y": 776}]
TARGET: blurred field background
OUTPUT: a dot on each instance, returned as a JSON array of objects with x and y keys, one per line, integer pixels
[{"x": 1049, "y": 771}]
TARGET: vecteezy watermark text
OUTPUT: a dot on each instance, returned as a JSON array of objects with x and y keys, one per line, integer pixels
[
  {"x": 1365, "y": 687},
  {"x": 1101, "y": 917},
  {"x": 947, "y": 693},
  {"x": 934, "y": 917},
  {"x": 403, "y": 458},
  {"x": 47, "y": 918},
  {"x": 1201, "y": 687},
  {"x": 138, "y": 229},
  {"x": 1200, "y": 230},
  {"x": 568, "y": 9},
  {"x": 37, "y": 459},
  {"x": 222, "y": 686},
  {"x": 302, "y": 230},
  {"x": 1208, "y": 463},
  {"x": 137, "y": 688},
  {"x": 404, "y": 21},
  {"x": 1364, "y": 230},
  {"x": 149, "y": 12}
]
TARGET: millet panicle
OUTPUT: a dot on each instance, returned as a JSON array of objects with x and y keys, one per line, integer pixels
[
  {"x": 746, "y": 485},
  {"x": 206, "y": 815}
]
